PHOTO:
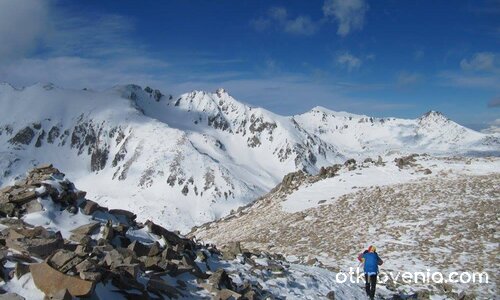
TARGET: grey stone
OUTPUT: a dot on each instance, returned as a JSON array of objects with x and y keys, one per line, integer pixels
[
  {"x": 139, "y": 248},
  {"x": 155, "y": 249},
  {"x": 89, "y": 207},
  {"x": 11, "y": 296},
  {"x": 87, "y": 229},
  {"x": 20, "y": 269}
]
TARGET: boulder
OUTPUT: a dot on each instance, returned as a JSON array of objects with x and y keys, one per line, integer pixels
[
  {"x": 7, "y": 209},
  {"x": 129, "y": 216},
  {"x": 170, "y": 237},
  {"x": 113, "y": 258},
  {"x": 231, "y": 250},
  {"x": 61, "y": 295},
  {"x": 51, "y": 281},
  {"x": 330, "y": 295},
  {"x": 33, "y": 206},
  {"x": 155, "y": 249},
  {"x": 11, "y": 296},
  {"x": 139, "y": 248},
  {"x": 64, "y": 260},
  {"x": 87, "y": 229},
  {"x": 88, "y": 207},
  {"x": 220, "y": 280},
  {"x": 91, "y": 276},
  {"x": 226, "y": 294},
  {"x": 20, "y": 269},
  {"x": 38, "y": 242},
  {"x": 23, "y": 197},
  {"x": 159, "y": 286},
  {"x": 108, "y": 232}
]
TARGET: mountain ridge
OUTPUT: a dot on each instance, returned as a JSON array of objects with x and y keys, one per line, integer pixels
[{"x": 191, "y": 159}]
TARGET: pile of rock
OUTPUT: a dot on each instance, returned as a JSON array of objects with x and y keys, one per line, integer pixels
[
  {"x": 102, "y": 251},
  {"x": 404, "y": 161}
]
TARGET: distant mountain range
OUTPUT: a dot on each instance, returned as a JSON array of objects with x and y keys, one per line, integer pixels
[{"x": 191, "y": 159}]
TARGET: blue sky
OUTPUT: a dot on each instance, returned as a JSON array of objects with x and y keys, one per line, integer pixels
[{"x": 380, "y": 58}]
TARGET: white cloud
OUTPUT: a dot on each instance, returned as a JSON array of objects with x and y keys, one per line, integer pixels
[
  {"x": 482, "y": 61},
  {"x": 92, "y": 51},
  {"x": 459, "y": 79},
  {"x": 22, "y": 27},
  {"x": 348, "y": 61},
  {"x": 302, "y": 25},
  {"x": 405, "y": 78},
  {"x": 349, "y": 14},
  {"x": 494, "y": 127},
  {"x": 278, "y": 17}
]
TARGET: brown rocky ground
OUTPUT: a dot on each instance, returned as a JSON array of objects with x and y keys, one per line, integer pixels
[{"x": 445, "y": 223}]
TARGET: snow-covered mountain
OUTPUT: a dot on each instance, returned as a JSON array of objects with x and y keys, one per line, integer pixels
[{"x": 191, "y": 159}]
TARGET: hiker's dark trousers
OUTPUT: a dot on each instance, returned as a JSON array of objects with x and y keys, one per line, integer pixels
[{"x": 371, "y": 282}]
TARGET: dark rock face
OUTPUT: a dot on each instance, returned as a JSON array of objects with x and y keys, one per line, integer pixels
[
  {"x": 98, "y": 159},
  {"x": 23, "y": 137}
]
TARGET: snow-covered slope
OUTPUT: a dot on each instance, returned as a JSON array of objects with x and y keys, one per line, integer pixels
[{"x": 191, "y": 159}]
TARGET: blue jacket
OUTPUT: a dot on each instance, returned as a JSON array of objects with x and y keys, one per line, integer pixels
[{"x": 371, "y": 262}]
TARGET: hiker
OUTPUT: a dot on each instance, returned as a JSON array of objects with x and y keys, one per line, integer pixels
[{"x": 371, "y": 261}]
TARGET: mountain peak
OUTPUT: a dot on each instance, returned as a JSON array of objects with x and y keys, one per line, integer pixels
[
  {"x": 221, "y": 91},
  {"x": 433, "y": 115}
]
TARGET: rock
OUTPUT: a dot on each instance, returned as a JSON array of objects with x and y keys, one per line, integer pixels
[
  {"x": 23, "y": 137},
  {"x": 130, "y": 216},
  {"x": 11, "y": 296},
  {"x": 231, "y": 250},
  {"x": 161, "y": 287},
  {"x": 91, "y": 276},
  {"x": 423, "y": 295},
  {"x": 64, "y": 260},
  {"x": 220, "y": 280},
  {"x": 330, "y": 295},
  {"x": 87, "y": 229},
  {"x": 89, "y": 207},
  {"x": 131, "y": 269},
  {"x": 60, "y": 258},
  {"x": 226, "y": 294},
  {"x": 7, "y": 209},
  {"x": 139, "y": 248},
  {"x": 113, "y": 258},
  {"x": 108, "y": 232},
  {"x": 427, "y": 172},
  {"x": 20, "y": 269},
  {"x": 61, "y": 295},
  {"x": 169, "y": 254},
  {"x": 155, "y": 249},
  {"x": 86, "y": 265},
  {"x": 23, "y": 198},
  {"x": 38, "y": 242},
  {"x": 152, "y": 263},
  {"x": 368, "y": 160},
  {"x": 33, "y": 206},
  {"x": 170, "y": 237},
  {"x": 51, "y": 281}
]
